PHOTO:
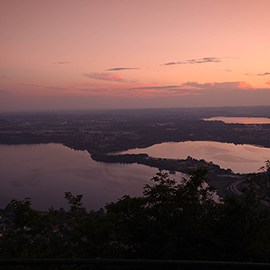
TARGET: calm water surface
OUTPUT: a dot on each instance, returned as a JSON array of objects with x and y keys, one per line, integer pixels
[
  {"x": 240, "y": 120},
  {"x": 44, "y": 172},
  {"x": 239, "y": 158}
]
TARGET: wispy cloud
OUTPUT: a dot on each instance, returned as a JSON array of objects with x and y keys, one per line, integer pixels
[
  {"x": 222, "y": 70},
  {"x": 30, "y": 84},
  {"x": 120, "y": 68},
  {"x": 157, "y": 87},
  {"x": 91, "y": 90},
  {"x": 4, "y": 92},
  {"x": 263, "y": 74},
  {"x": 165, "y": 90},
  {"x": 196, "y": 61},
  {"x": 223, "y": 85},
  {"x": 193, "y": 87},
  {"x": 60, "y": 63},
  {"x": 56, "y": 88},
  {"x": 3, "y": 77},
  {"x": 105, "y": 77}
]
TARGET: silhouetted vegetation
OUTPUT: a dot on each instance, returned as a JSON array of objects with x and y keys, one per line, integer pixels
[{"x": 171, "y": 220}]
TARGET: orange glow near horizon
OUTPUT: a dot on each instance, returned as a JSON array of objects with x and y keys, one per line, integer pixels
[{"x": 146, "y": 53}]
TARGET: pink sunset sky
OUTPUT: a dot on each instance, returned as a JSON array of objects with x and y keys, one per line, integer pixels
[{"x": 89, "y": 54}]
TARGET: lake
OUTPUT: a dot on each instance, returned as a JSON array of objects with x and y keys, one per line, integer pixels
[
  {"x": 240, "y": 158},
  {"x": 240, "y": 120},
  {"x": 44, "y": 172}
]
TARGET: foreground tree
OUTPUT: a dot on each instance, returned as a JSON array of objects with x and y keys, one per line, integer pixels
[
  {"x": 171, "y": 220},
  {"x": 54, "y": 234},
  {"x": 183, "y": 221},
  {"x": 243, "y": 222}
]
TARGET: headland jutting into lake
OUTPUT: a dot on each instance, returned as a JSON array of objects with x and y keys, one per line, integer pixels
[{"x": 105, "y": 131}]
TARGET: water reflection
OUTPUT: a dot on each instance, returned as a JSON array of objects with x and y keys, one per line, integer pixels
[
  {"x": 44, "y": 172},
  {"x": 239, "y": 158},
  {"x": 240, "y": 120}
]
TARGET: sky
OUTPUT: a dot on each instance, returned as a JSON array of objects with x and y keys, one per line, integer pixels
[{"x": 95, "y": 54}]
